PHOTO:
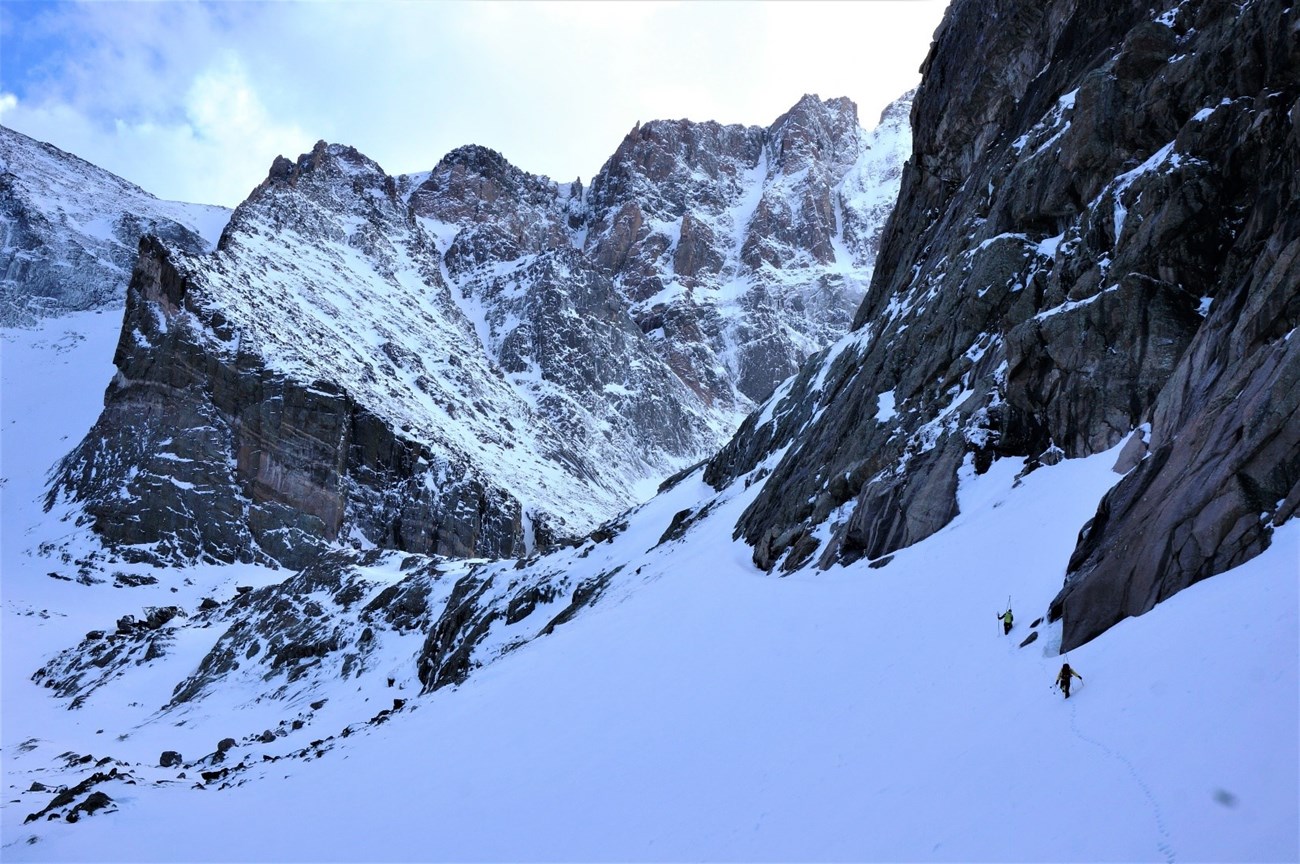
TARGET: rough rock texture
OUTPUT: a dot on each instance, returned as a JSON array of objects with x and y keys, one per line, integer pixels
[
  {"x": 223, "y": 459},
  {"x": 464, "y": 362},
  {"x": 326, "y": 623},
  {"x": 1096, "y": 234},
  {"x": 745, "y": 249},
  {"x": 69, "y": 231},
  {"x": 315, "y": 379},
  {"x": 1223, "y": 463},
  {"x": 556, "y": 325}
]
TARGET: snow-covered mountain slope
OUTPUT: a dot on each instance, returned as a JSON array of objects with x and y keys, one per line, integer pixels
[
  {"x": 451, "y": 362},
  {"x": 315, "y": 381},
  {"x": 69, "y": 231},
  {"x": 655, "y": 691},
  {"x": 1058, "y": 277},
  {"x": 699, "y": 710},
  {"x": 1097, "y": 241}
]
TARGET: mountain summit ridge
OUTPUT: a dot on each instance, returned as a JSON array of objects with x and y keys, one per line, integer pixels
[
  {"x": 71, "y": 230},
  {"x": 453, "y": 362}
]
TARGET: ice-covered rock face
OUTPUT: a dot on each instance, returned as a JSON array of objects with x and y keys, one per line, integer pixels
[
  {"x": 1095, "y": 235},
  {"x": 69, "y": 231}
]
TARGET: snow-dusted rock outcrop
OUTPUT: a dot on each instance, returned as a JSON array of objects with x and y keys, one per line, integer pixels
[
  {"x": 467, "y": 361},
  {"x": 745, "y": 249},
  {"x": 69, "y": 231},
  {"x": 557, "y": 326},
  {"x": 315, "y": 380},
  {"x": 738, "y": 250},
  {"x": 1094, "y": 237}
]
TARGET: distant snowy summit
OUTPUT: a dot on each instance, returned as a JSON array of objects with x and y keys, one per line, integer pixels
[
  {"x": 475, "y": 361},
  {"x": 70, "y": 232}
]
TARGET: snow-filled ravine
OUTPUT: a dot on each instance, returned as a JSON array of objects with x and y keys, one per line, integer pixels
[{"x": 701, "y": 710}]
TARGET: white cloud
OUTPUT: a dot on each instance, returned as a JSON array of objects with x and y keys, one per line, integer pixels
[
  {"x": 215, "y": 152},
  {"x": 195, "y": 100}
]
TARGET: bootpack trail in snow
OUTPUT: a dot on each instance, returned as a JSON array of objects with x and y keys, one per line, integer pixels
[{"x": 1163, "y": 843}]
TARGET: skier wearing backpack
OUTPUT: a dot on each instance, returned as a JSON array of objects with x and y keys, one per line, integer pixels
[
  {"x": 1063, "y": 679},
  {"x": 1006, "y": 621}
]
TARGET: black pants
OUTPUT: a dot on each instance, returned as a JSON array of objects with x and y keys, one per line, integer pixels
[
  {"x": 1065, "y": 687},
  {"x": 1006, "y": 627}
]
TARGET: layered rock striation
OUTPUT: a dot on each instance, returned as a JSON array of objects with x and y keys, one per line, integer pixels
[{"x": 1094, "y": 239}]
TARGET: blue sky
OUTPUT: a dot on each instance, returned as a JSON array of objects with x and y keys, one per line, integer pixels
[{"x": 193, "y": 101}]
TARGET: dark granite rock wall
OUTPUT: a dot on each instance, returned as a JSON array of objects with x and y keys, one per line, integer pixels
[{"x": 1098, "y": 211}]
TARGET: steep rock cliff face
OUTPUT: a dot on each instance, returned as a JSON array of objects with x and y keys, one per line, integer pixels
[
  {"x": 746, "y": 249},
  {"x": 315, "y": 381},
  {"x": 1095, "y": 236},
  {"x": 69, "y": 231},
  {"x": 556, "y": 324},
  {"x": 464, "y": 362}
]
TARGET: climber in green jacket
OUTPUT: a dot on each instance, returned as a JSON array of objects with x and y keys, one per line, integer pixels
[{"x": 1006, "y": 621}]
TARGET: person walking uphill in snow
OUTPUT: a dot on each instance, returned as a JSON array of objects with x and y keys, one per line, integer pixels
[
  {"x": 1006, "y": 621},
  {"x": 1063, "y": 679}
]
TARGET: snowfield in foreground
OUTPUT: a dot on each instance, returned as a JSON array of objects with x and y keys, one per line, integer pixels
[{"x": 701, "y": 710}]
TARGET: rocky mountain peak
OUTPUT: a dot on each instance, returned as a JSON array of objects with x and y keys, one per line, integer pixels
[
  {"x": 899, "y": 111},
  {"x": 669, "y": 166},
  {"x": 816, "y": 132},
  {"x": 321, "y": 361},
  {"x": 325, "y": 163},
  {"x": 473, "y": 361},
  {"x": 483, "y": 209},
  {"x": 758, "y": 238},
  {"x": 480, "y": 176}
]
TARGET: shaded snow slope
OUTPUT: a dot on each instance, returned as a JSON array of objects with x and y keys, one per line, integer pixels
[
  {"x": 700, "y": 710},
  {"x": 69, "y": 230}
]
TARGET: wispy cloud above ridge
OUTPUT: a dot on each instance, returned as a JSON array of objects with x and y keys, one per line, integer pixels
[{"x": 194, "y": 100}]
